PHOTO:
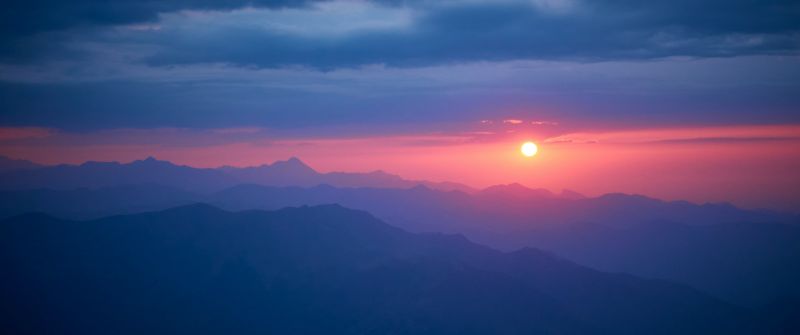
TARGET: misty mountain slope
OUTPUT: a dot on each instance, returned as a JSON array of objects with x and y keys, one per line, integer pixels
[
  {"x": 736, "y": 254},
  {"x": 294, "y": 172},
  {"x": 739, "y": 255},
  {"x": 513, "y": 207},
  {"x": 86, "y": 203},
  {"x": 291, "y": 172},
  {"x": 507, "y": 208},
  {"x": 109, "y": 174},
  {"x": 748, "y": 263},
  {"x": 323, "y": 269},
  {"x": 8, "y": 164}
]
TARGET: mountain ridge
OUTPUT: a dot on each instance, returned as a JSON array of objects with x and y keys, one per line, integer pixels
[
  {"x": 619, "y": 236},
  {"x": 336, "y": 262},
  {"x": 290, "y": 172}
]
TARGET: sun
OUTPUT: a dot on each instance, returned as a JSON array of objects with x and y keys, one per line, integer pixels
[{"x": 528, "y": 149}]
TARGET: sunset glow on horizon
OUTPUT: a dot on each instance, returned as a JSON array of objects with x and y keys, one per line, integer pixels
[
  {"x": 424, "y": 167},
  {"x": 628, "y": 98},
  {"x": 709, "y": 164}
]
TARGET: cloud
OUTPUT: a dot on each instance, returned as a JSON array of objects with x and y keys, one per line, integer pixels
[
  {"x": 601, "y": 95},
  {"x": 519, "y": 122},
  {"x": 401, "y": 64},
  {"x": 239, "y": 130},
  {"x": 321, "y": 35},
  {"x": 32, "y": 29},
  {"x": 696, "y": 135},
  {"x": 28, "y": 17},
  {"x": 23, "y": 133},
  {"x": 499, "y": 31}
]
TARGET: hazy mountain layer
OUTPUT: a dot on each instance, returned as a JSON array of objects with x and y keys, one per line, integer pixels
[
  {"x": 741, "y": 256},
  {"x": 197, "y": 269},
  {"x": 744, "y": 256},
  {"x": 21, "y": 175}
]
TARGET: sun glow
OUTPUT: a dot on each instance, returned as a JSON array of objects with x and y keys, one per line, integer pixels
[{"x": 529, "y": 149}]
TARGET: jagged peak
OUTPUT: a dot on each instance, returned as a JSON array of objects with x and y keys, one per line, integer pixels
[
  {"x": 150, "y": 160},
  {"x": 94, "y": 163},
  {"x": 198, "y": 207},
  {"x": 292, "y": 162}
]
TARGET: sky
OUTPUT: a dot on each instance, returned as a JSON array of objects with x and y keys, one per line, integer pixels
[{"x": 695, "y": 100}]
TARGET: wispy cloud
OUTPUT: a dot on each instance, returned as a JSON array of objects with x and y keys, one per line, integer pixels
[
  {"x": 544, "y": 123},
  {"x": 20, "y": 133},
  {"x": 699, "y": 135}
]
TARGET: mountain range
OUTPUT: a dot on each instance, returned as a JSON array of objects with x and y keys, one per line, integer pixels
[
  {"x": 324, "y": 269},
  {"x": 19, "y": 174},
  {"x": 747, "y": 257},
  {"x": 743, "y": 256}
]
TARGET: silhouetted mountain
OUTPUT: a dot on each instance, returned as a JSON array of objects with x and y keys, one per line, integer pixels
[
  {"x": 292, "y": 172},
  {"x": 103, "y": 174},
  {"x": 515, "y": 191},
  {"x": 8, "y": 164},
  {"x": 570, "y": 194},
  {"x": 742, "y": 256},
  {"x": 315, "y": 270},
  {"x": 782, "y": 317},
  {"x": 507, "y": 208},
  {"x": 738, "y": 255},
  {"x": 747, "y": 263},
  {"x": 86, "y": 203}
]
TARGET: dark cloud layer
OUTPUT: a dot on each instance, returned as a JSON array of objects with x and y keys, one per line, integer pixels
[
  {"x": 103, "y": 105},
  {"x": 509, "y": 31},
  {"x": 29, "y": 29},
  {"x": 25, "y": 17},
  {"x": 441, "y": 32},
  {"x": 107, "y": 76}
]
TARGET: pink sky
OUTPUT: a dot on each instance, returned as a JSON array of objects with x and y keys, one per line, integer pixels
[{"x": 751, "y": 166}]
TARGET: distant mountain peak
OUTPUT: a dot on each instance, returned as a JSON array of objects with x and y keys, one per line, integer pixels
[
  {"x": 292, "y": 163},
  {"x": 197, "y": 208},
  {"x": 516, "y": 190},
  {"x": 96, "y": 164},
  {"x": 507, "y": 187},
  {"x": 570, "y": 194},
  {"x": 8, "y": 164},
  {"x": 626, "y": 196},
  {"x": 151, "y": 161},
  {"x": 335, "y": 258}
]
